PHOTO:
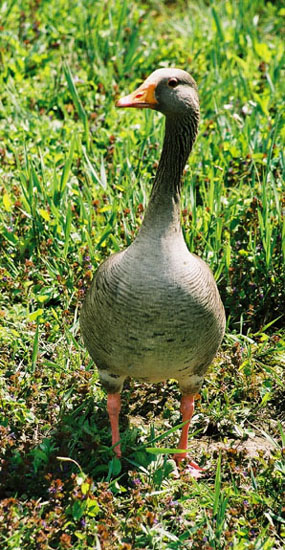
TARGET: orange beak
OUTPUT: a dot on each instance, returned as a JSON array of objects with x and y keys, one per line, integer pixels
[{"x": 142, "y": 97}]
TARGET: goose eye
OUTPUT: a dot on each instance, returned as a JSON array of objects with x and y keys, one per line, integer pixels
[{"x": 172, "y": 82}]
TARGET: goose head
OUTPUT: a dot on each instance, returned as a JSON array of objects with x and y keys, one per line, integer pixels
[{"x": 173, "y": 92}]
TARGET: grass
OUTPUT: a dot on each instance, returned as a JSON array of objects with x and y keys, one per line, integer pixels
[{"x": 75, "y": 175}]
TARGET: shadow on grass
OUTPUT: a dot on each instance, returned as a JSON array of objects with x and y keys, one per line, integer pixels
[{"x": 82, "y": 435}]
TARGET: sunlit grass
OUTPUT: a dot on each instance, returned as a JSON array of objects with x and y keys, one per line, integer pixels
[{"x": 75, "y": 176}]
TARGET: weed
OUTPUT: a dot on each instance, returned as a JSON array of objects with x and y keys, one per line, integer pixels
[{"x": 75, "y": 175}]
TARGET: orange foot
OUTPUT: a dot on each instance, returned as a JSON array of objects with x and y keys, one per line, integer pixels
[
  {"x": 192, "y": 467},
  {"x": 187, "y": 409},
  {"x": 113, "y": 408}
]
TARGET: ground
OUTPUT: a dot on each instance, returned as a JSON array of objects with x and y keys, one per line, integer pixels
[{"x": 75, "y": 176}]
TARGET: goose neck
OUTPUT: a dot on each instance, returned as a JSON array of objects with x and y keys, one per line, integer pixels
[{"x": 163, "y": 212}]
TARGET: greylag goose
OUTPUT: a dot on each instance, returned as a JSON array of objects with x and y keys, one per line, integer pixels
[{"x": 153, "y": 310}]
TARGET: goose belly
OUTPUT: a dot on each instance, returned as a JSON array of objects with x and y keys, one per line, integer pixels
[{"x": 152, "y": 321}]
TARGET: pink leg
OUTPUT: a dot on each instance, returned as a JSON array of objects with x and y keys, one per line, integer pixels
[
  {"x": 187, "y": 409},
  {"x": 113, "y": 408}
]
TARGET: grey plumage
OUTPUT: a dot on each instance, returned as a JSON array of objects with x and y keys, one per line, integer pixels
[{"x": 153, "y": 311}]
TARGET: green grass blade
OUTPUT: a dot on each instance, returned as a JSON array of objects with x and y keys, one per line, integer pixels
[
  {"x": 217, "y": 490},
  {"x": 77, "y": 102}
]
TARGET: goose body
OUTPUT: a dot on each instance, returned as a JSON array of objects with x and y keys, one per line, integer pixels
[
  {"x": 153, "y": 311},
  {"x": 151, "y": 314}
]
